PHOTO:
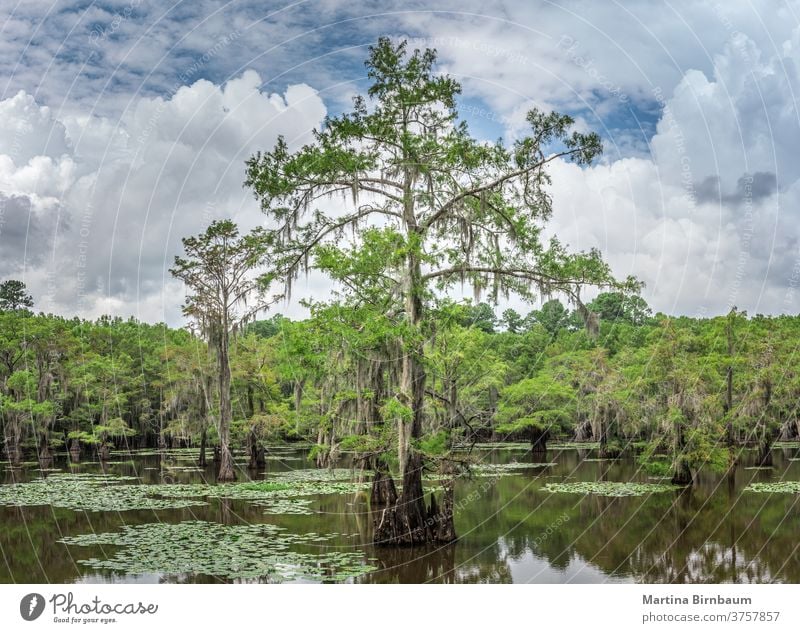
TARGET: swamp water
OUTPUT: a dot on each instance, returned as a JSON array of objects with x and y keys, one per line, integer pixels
[{"x": 521, "y": 518}]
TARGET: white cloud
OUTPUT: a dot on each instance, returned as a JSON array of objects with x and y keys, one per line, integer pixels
[
  {"x": 710, "y": 221},
  {"x": 105, "y": 182},
  {"x": 117, "y": 196}
]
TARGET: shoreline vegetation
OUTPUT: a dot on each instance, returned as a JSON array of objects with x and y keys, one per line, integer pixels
[{"x": 96, "y": 389}]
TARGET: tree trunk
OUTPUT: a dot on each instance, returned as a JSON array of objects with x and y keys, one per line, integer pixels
[
  {"x": 226, "y": 471},
  {"x": 15, "y": 454},
  {"x": 384, "y": 492},
  {"x": 104, "y": 452},
  {"x": 45, "y": 454},
  {"x": 765, "y": 453},
  {"x": 539, "y": 442},
  {"x": 12, "y": 443},
  {"x": 251, "y": 450},
  {"x": 583, "y": 431},
  {"x": 681, "y": 474},
  {"x": 408, "y": 521},
  {"x": 298, "y": 402},
  {"x": 451, "y": 389},
  {"x": 256, "y": 452},
  {"x": 494, "y": 397},
  {"x": 75, "y": 451},
  {"x": 201, "y": 461},
  {"x": 602, "y": 433}
]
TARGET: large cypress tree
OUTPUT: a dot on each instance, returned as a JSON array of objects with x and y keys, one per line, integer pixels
[{"x": 450, "y": 210}]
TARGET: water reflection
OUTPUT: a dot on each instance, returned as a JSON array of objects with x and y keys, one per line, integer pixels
[{"x": 511, "y": 530}]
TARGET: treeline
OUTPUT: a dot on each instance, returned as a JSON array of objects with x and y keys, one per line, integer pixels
[{"x": 682, "y": 393}]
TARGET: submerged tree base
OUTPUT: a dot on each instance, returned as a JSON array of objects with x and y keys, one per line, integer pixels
[
  {"x": 397, "y": 526},
  {"x": 409, "y": 522},
  {"x": 682, "y": 476},
  {"x": 384, "y": 492}
]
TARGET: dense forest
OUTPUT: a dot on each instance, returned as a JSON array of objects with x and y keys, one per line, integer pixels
[
  {"x": 392, "y": 372},
  {"x": 681, "y": 393}
]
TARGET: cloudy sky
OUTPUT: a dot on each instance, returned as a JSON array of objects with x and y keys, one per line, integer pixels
[{"x": 124, "y": 126}]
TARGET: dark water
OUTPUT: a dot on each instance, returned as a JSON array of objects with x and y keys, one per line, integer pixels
[{"x": 510, "y": 529}]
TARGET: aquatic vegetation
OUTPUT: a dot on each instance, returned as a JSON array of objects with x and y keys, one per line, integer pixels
[
  {"x": 184, "y": 469},
  {"x": 116, "y": 493},
  {"x": 172, "y": 453},
  {"x": 287, "y": 506},
  {"x": 231, "y": 552},
  {"x": 572, "y": 445},
  {"x": 278, "y": 497},
  {"x": 495, "y": 446},
  {"x": 87, "y": 492},
  {"x": 513, "y": 466},
  {"x": 610, "y": 488},
  {"x": 313, "y": 474},
  {"x": 501, "y": 470},
  {"x": 776, "y": 487}
]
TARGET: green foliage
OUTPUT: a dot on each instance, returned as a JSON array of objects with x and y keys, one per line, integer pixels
[
  {"x": 617, "y": 307},
  {"x": 553, "y": 316},
  {"x": 14, "y": 296},
  {"x": 396, "y": 410},
  {"x": 546, "y": 402},
  {"x": 435, "y": 444}
]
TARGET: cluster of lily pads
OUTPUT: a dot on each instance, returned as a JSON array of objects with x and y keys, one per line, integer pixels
[
  {"x": 573, "y": 445},
  {"x": 114, "y": 493},
  {"x": 87, "y": 492},
  {"x": 609, "y": 488},
  {"x": 500, "y": 470},
  {"x": 232, "y": 552},
  {"x": 495, "y": 446},
  {"x": 776, "y": 486}
]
